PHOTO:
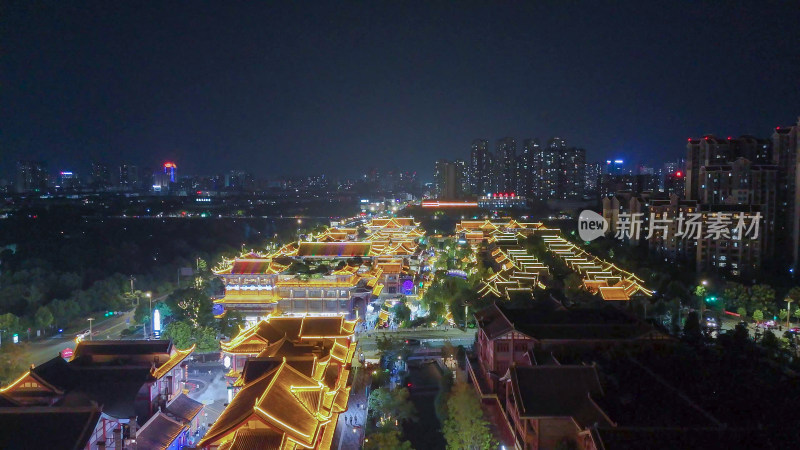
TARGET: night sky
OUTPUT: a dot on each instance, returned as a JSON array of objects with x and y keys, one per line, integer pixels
[{"x": 283, "y": 88}]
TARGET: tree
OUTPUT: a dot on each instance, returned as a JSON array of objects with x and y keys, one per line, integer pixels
[
  {"x": 440, "y": 402},
  {"x": 230, "y": 323},
  {"x": 386, "y": 439},
  {"x": 192, "y": 305},
  {"x": 401, "y": 312},
  {"x": 180, "y": 333},
  {"x": 390, "y": 407},
  {"x": 43, "y": 317},
  {"x": 691, "y": 329},
  {"x": 184, "y": 335},
  {"x": 9, "y": 323},
  {"x": 782, "y": 314},
  {"x": 762, "y": 296},
  {"x": 465, "y": 428},
  {"x": 736, "y": 294},
  {"x": 742, "y": 312},
  {"x": 770, "y": 340},
  {"x": 758, "y": 315},
  {"x": 206, "y": 340},
  {"x": 13, "y": 361}
]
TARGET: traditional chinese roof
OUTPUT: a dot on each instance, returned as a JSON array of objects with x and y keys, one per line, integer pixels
[
  {"x": 50, "y": 427},
  {"x": 159, "y": 432},
  {"x": 257, "y": 338},
  {"x": 613, "y": 293},
  {"x": 394, "y": 222},
  {"x": 393, "y": 267},
  {"x": 285, "y": 400},
  {"x": 184, "y": 407},
  {"x": 260, "y": 438},
  {"x": 346, "y": 270},
  {"x": 174, "y": 360},
  {"x": 334, "y": 249},
  {"x": 289, "y": 249},
  {"x": 255, "y": 267},
  {"x": 558, "y": 391}
]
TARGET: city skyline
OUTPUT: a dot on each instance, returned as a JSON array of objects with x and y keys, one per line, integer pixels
[{"x": 259, "y": 85}]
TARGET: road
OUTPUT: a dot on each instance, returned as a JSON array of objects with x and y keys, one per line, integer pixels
[
  {"x": 102, "y": 329},
  {"x": 46, "y": 349},
  {"x": 428, "y": 338}
]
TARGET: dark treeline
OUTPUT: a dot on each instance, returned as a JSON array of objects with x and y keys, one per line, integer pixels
[{"x": 57, "y": 266}]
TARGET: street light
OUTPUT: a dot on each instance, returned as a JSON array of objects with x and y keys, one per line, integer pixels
[
  {"x": 789, "y": 301},
  {"x": 150, "y": 311},
  {"x": 90, "y": 319}
]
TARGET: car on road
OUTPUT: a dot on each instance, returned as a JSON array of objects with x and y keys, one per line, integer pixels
[
  {"x": 413, "y": 342},
  {"x": 82, "y": 335}
]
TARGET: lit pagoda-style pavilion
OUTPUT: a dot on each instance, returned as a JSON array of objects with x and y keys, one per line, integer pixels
[
  {"x": 290, "y": 375},
  {"x": 316, "y": 334}
]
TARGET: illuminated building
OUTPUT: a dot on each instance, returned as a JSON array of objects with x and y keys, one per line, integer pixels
[
  {"x": 670, "y": 246},
  {"x": 526, "y": 179},
  {"x": 163, "y": 179},
  {"x": 257, "y": 286},
  {"x": 612, "y": 184},
  {"x": 100, "y": 177},
  {"x": 68, "y": 181},
  {"x": 449, "y": 179},
  {"x": 505, "y": 165},
  {"x": 135, "y": 385},
  {"x": 31, "y": 176},
  {"x": 502, "y": 201},
  {"x": 558, "y": 172},
  {"x": 171, "y": 170},
  {"x": 741, "y": 182},
  {"x": 572, "y": 174},
  {"x": 786, "y": 155},
  {"x": 262, "y": 284},
  {"x": 592, "y": 176},
  {"x": 545, "y": 171},
  {"x": 312, "y": 334},
  {"x": 480, "y": 167},
  {"x": 128, "y": 177},
  {"x": 675, "y": 184},
  {"x": 291, "y": 389}
]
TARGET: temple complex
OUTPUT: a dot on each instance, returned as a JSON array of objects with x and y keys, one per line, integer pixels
[
  {"x": 290, "y": 377},
  {"x": 115, "y": 388},
  {"x": 333, "y": 273}
]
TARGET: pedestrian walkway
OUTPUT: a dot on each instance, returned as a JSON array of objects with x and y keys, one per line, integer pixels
[{"x": 352, "y": 423}]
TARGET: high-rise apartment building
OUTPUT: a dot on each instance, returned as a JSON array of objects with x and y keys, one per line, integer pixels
[
  {"x": 785, "y": 150},
  {"x": 713, "y": 150},
  {"x": 592, "y": 179},
  {"x": 505, "y": 166},
  {"x": 68, "y": 181},
  {"x": 100, "y": 177},
  {"x": 448, "y": 177},
  {"x": 546, "y": 164},
  {"x": 526, "y": 178},
  {"x": 31, "y": 176},
  {"x": 572, "y": 174},
  {"x": 746, "y": 184},
  {"x": 480, "y": 167},
  {"x": 128, "y": 177}
]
